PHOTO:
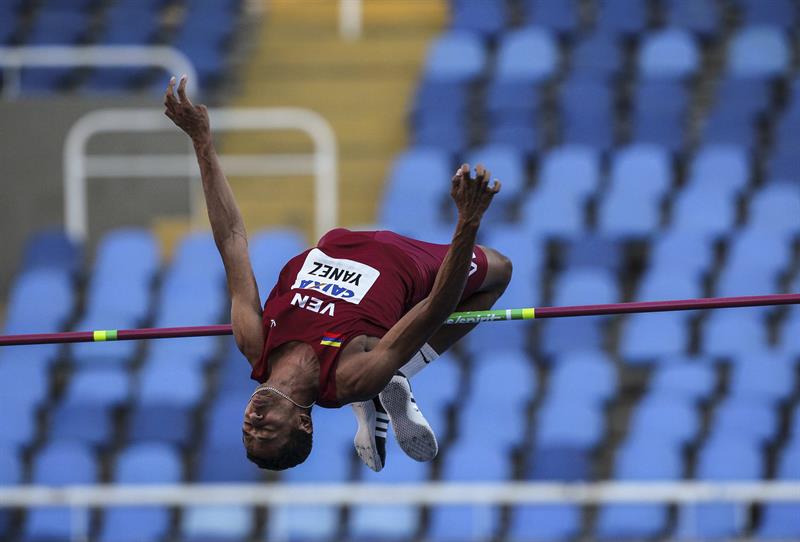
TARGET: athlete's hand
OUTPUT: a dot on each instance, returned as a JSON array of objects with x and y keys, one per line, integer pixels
[
  {"x": 473, "y": 195},
  {"x": 192, "y": 119}
]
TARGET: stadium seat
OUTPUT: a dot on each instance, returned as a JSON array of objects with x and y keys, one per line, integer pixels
[
  {"x": 269, "y": 251},
  {"x": 671, "y": 420},
  {"x": 779, "y": 520},
  {"x": 556, "y": 522},
  {"x": 620, "y": 16},
  {"x": 690, "y": 379},
  {"x": 302, "y": 522},
  {"x": 583, "y": 376},
  {"x": 780, "y": 13},
  {"x": 584, "y": 287},
  {"x": 758, "y": 51},
  {"x": 437, "y": 385},
  {"x": 686, "y": 252},
  {"x": 559, "y": 16},
  {"x": 111, "y": 353},
  {"x": 647, "y": 337},
  {"x": 624, "y": 214},
  {"x": 503, "y": 375},
  {"x": 548, "y": 213},
  {"x": 32, "y": 371},
  {"x": 226, "y": 462},
  {"x": 90, "y": 424},
  {"x": 598, "y": 54},
  {"x": 669, "y": 280},
  {"x": 456, "y": 56},
  {"x": 51, "y": 249},
  {"x": 11, "y": 473},
  {"x": 563, "y": 334},
  {"x": 103, "y": 387},
  {"x": 722, "y": 167},
  {"x": 509, "y": 100},
  {"x": 756, "y": 248},
  {"x": 17, "y": 418},
  {"x": 703, "y": 213},
  {"x": 484, "y": 18},
  {"x": 529, "y": 54},
  {"x": 699, "y": 16},
  {"x": 746, "y": 418},
  {"x": 642, "y": 169},
  {"x": 763, "y": 376},
  {"x": 219, "y": 523},
  {"x": 566, "y": 463},
  {"x": 670, "y": 53},
  {"x": 660, "y": 128},
  {"x": 564, "y": 422},
  {"x": 721, "y": 460},
  {"x": 573, "y": 170},
  {"x": 39, "y": 301},
  {"x": 60, "y": 464},
  {"x": 591, "y": 251},
  {"x": 146, "y": 463},
  {"x": 780, "y": 166},
  {"x": 727, "y": 334},
  {"x": 388, "y": 522},
  {"x": 640, "y": 461}
]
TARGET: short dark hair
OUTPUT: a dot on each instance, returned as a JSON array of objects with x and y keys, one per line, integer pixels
[{"x": 292, "y": 454}]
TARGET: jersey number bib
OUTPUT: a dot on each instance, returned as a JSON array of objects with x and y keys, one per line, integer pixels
[{"x": 339, "y": 278}]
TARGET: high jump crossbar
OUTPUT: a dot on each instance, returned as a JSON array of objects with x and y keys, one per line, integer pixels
[{"x": 469, "y": 317}]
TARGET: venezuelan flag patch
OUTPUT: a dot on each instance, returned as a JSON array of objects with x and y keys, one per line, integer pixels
[{"x": 331, "y": 339}]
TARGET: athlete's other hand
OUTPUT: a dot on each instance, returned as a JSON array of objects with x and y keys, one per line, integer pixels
[
  {"x": 473, "y": 195},
  {"x": 192, "y": 119}
]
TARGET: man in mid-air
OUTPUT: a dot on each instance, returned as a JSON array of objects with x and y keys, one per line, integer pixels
[{"x": 350, "y": 320}]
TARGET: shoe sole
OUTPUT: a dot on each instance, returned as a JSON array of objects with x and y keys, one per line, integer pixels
[
  {"x": 417, "y": 440},
  {"x": 365, "y": 437}
]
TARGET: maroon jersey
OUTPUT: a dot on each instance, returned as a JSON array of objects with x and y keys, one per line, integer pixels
[{"x": 350, "y": 284}]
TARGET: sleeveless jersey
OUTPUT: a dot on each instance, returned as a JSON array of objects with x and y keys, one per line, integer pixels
[{"x": 350, "y": 284}]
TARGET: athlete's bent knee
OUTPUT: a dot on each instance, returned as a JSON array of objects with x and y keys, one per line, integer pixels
[{"x": 500, "y": 269}]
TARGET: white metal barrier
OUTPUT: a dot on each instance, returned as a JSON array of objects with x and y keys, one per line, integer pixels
[
  {"x": 12, "y": 59},
  {"x": 78, "y": 166},
  {"x": 421, "y": 494}
]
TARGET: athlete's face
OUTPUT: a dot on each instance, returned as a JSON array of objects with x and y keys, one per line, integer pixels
[{"x": 270, "y": 425}]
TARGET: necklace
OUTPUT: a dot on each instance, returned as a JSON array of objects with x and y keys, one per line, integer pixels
[{"x": 281, "y": 394}]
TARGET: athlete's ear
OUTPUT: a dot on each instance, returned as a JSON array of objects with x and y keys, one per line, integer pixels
[{"x": 305, "y": 423}]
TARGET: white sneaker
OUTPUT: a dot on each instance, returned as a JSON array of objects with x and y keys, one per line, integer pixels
[
  {"x": 370, "y": 439},
  {"x": 412, "y": 431}
]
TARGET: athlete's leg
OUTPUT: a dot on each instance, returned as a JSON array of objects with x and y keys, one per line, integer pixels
[{"x": 498, "y": 275}]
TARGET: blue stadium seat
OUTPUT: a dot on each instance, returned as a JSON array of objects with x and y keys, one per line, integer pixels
[
  {"x": 583, "y": 376},
  {"x": 460, "y": 522},
  {"x": 437, "y": 386},
  {"x": 547, "y": 212},
  {"x": 456, "y": 56},
  {"x": 127, "y": 254},
  {"x": 670, "y": 420},
  {"x": 495, "y": 426},
  {"x": 11, "y": 473},
  {"x": 758, "y": 248},
  {"x": 484, "y": 18},
  {"x": 416, "y": 186},
  {"x": 521, "y": 132},
  {"x": 722, "y": 167},
  {"x": 748, "y": 418},
  {"x": 220, "y": 523},
  {"x": 17, "y": 418},
  {"x": 269, "y": 252},
  {"x": 758, "y": 51},
  {"x": 111, "y": 353},
  {"x": 8, "y": 23},
  {"x": 620, "y": 16},
  {"x": 51, "y": 249},
  {"x": 668, "y": 281},
  {"x": 640, "y": 461},
  {"x": 587, "y": 116},
  {"x": 699, "y": 16},
  {"x": 626, "y": 214},
  {"x": 388, "y": 522},
  {"x": 660, "y": 128},
  {"x": 104, "y": 387},
  {"x": 647, "y": 337},
  {"x": 688, "y": 379},
  {"x": 567, "y": 463},
  {"x": 593, "y": 251},
  {"x": 556, "y": 522},
  {"x": 224, "y": 421},
  {"x": 641, "y": 169},
  {"x": 509, "y": 99},
  {"x": 584, "y": 287},
  {"x": 34, "y": 373},
  {"x": 529, "y": 54},
  {"x": 720, "y": 460},
  {"x": 564, "y": 422},
  {"x": 752, "y": 279},
  {"x": 146, "y": 463},
  {"x": 504, "y": 375},
  {"x": 729, "y": 128},
  {"x": 670, "y": 53},
  {"x": 52, "y": 27},
  {"x": 308, "y": 523},
  {"x": 226, "y": 462},
  {"x": 780, "y": 167},
  {"x": 598, "y": 54},
  {"x": 781, "y": 13},
  {"x": 734, "y": 333},
  {"x": 556, "y": 15},
  {"x": 743, "y": 97},
  {"x": 39, "y": 301},
  {"x": 572, "y": 170},
  {"x": 439, "y": 100},
  {"x": 91, "y": 424},
  {"x": 702, "y": 212},
  {"x": 563, "y": 334},
  {"x": 197, "y": 255},
  {"x": 779, "y": 520},
  {"x": 661, "y": 97},
  {"x": 685, "y": 252},
  {"x": 766, "y": 376},
  {"x": 60, "y": 464}
]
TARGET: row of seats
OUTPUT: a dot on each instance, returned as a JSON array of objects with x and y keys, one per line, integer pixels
[{"x": 203, "y": 34}]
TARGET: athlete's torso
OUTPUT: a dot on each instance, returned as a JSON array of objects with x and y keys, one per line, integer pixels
[{"x": 352, "y": 285}]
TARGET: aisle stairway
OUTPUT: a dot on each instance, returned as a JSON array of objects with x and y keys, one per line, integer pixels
[{"x": 361, "y": 87}]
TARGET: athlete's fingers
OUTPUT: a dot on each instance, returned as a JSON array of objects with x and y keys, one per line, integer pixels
[
  {"x": 169, "y": 97},
  {"x": 480, "y": 171},
  {"x": 495, "y": 188},
  {"x": 182, "y": 91}
]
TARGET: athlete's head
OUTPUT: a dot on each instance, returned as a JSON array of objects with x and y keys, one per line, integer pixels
[{"x": 276, "y": 432}]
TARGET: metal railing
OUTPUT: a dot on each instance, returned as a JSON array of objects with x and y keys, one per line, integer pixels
[{"x": 79, "y": 166}]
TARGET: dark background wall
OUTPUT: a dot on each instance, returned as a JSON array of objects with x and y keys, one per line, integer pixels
[{"x": 32, "y": 134}]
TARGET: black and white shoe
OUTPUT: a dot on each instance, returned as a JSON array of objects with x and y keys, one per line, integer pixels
[
  {"x": 412, "y": 431},
  {"x": 370, "y": 439}
]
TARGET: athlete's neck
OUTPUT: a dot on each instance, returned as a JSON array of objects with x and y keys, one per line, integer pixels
[{"x": 295, "y": 372}]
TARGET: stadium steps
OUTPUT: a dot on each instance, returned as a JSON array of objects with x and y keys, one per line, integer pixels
[{"x": 361, "y": 87}]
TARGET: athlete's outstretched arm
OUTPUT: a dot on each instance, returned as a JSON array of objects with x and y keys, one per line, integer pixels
[
  {"x": 365, "y": 379},
  {"x": 226, "y": 222}
]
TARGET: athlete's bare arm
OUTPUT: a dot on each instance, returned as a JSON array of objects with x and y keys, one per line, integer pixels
[
  {"x": 363, "y": 378},
  {"x": 226, "y": 222}
]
